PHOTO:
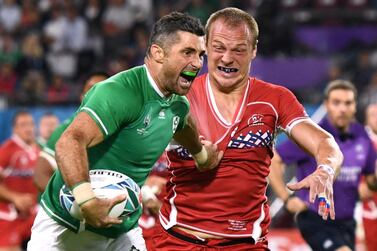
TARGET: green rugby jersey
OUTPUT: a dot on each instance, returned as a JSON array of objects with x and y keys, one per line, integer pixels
[{"x": 137, "y": 123}]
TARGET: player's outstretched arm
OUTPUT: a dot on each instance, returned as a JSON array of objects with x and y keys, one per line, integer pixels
[
  {"x": 322, "y": 146},
  {"x": 71, "y": 156},
  {"x": 205, "y": 153}
]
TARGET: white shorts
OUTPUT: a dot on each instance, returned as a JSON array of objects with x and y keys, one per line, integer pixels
[{"x": 47, "y": 234}]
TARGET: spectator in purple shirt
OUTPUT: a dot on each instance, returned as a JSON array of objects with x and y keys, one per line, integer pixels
[{"x": 359, "y": 159}]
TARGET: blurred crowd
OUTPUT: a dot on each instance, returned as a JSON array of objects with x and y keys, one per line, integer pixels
[{"x": 48, "y": 46}]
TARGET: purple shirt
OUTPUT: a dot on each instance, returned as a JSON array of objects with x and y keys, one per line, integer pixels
[{"x": 359, "y": 159}]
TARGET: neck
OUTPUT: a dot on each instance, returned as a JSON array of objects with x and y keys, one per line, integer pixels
[
  {"x": 155, "y": 71},
  {"x": 228, "y": 101}
]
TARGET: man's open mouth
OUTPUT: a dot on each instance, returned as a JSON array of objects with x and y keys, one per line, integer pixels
[{"x": 227, "y": 69}]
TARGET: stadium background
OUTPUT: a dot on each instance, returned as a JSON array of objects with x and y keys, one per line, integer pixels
[{"x": 47, "y": 47}]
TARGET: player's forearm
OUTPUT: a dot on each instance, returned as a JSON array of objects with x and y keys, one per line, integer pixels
[
  {"x": 188, "y": 137},
  {"x": 71, "y": 157}
]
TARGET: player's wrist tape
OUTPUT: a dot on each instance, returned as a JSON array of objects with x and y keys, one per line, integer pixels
[
  {"x": 201, "y": 157},
  {"x": 83, "y": 193},
  {"x": 328, "y": 169},
  {"x": 147, "y": 193}
]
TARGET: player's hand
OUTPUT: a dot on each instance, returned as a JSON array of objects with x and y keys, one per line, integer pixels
[
  {"x": 295, "y": 205},
  {"x": 213, "y": 157},
  {"x": 364, "y": 192},
  {"x": 320, "y": 185},
  {"x": 23, "y": 202},
  {"x": 95, "y": 211}
]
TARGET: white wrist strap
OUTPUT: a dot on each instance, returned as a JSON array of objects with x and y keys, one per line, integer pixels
[
  {"x": 328, "y": 169},
  {"x": 83, "y": 192},
  {"x": 201, "y": 157}
]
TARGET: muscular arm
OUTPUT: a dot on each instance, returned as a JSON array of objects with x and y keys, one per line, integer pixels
[
  {"x": 72, "y": 159},
  {"x": 188, "y": 137},
  {"x": 71, "y": 154},
  {"x": 318, "y": 143},
  {"x": 322, "y": 146},
  {"x": 204, "y": 152}
]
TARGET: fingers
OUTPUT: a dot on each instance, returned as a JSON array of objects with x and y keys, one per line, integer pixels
[
  {"x": 296, "y": 186},
  {"x": 323, "y": 206}
]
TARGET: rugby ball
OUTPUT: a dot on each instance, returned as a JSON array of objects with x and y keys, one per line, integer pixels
[{"x": 106, "y": 184}]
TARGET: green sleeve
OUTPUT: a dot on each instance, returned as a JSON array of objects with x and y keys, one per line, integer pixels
[
  {"x": 111, "y": 105},
  {"x": 182, "y": 123}
]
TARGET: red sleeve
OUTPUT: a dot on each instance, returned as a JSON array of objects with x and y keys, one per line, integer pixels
[{"x": 289, "y": 110}]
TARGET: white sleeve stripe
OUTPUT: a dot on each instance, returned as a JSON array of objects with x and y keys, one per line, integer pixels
[
  {"x": 97, "y": 118},
  {"x": 51, "y": 160},
  {"x": 294, "y": 122},
  {"x": 49, "y": 151}
]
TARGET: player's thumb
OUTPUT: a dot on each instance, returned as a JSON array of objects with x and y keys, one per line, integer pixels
[{"x": 118, "y": 199}]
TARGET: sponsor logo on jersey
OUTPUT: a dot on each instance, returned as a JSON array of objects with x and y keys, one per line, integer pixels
[
  {"x": 257, "y": 139},
  {"x": 175, "y": 123},
  {"x": 255, "y": 119}
]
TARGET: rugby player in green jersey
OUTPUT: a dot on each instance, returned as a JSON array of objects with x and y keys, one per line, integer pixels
[{"x": 124, "y": 124}]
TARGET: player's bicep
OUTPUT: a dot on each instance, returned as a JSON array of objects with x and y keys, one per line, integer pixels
[{"x": 84, "y": 129}]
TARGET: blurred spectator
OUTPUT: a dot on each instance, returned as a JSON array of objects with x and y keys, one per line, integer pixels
[
  {"x": 10, "y": 15},
  {"x": 142, "y": 10},
  {"x": 75, "y": 30},
  {"x": 32, "y": 55},
  {"x": 18, "y": 195},
  {"x": 61, "y": 60},
  {"x": 58, "y": 91},
  {"x": 118, "y": 17},
  {"x": 8, "y": 80},
  {"x": 47, "y": 125},
  {"x": 30, "y": 17},
  {"x": 93, "y": 11},
  {"x": 9, "y": 51},
  {"x": 32, "y": 90}
]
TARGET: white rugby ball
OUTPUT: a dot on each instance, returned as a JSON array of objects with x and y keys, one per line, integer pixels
[{"x": 106, "y": 184}]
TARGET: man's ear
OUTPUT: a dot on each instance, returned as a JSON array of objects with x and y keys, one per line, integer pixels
[
  {"x": 254, "y": 52},
  {"x": 157, "y": 53}
]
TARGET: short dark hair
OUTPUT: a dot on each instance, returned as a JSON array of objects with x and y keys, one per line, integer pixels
[
  {"x": 339, "y": 84},
  {"x": 164, "y": 32},
  {"x": 232, "y": 17},
  {"x": 18, "y": 114}
]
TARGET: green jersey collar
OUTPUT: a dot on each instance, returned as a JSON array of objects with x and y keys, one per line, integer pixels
[{"x": 153, "y": 83}]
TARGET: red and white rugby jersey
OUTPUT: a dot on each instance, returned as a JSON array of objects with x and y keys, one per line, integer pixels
[
  {"x": 370, "y": 206},
  {"x": 230, "y": 200},
  {"x": 17, "y": 163}
]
